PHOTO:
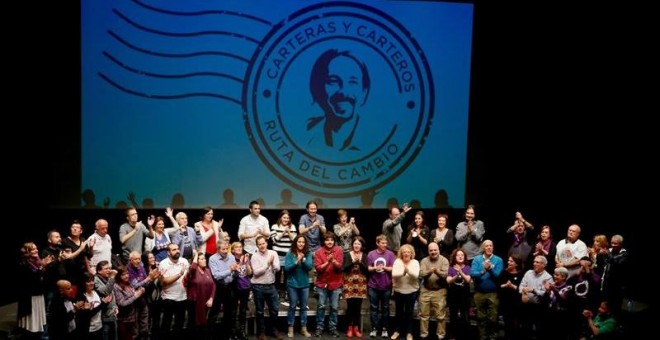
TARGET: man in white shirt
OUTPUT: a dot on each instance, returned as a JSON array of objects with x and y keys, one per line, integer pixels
[
  {"x": 100, "y": 244},
  {"x": 173, "y": 294},
  {"x": 570, "y": 250},
  {"x": 252, "y": 226}
]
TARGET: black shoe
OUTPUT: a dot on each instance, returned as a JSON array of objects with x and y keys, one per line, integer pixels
[
  {"x": 318, "y": 333},
  {"x": 334, "y": 333}
]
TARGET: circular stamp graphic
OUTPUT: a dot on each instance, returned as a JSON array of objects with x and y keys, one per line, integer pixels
[{"x": 338, "y": 99}]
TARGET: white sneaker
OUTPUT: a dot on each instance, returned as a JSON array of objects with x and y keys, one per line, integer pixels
[
  {"x": 284, "y": 303},
  {"x": 373, "y": 333},
  {"x": 384, "y": 335}
]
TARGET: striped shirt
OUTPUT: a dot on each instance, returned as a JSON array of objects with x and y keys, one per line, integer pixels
[{"x": 282, "y": 241}]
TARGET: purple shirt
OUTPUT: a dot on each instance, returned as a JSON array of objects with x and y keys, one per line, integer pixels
[
  {"x": 382, "y": 280},
  {"x": 459, "y": 281}
]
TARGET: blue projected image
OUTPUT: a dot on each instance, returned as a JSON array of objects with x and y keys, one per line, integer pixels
[{"x": 223, "y": 102}]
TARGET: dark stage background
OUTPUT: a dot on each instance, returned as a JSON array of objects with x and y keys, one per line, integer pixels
[{"x": 557, "y": 124}]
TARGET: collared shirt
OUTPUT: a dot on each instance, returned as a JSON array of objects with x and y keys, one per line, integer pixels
[
  {"x": 221, "y": 268},
  {"x": 535, "y": 281},
  {"x": 262, "y": 272},
  {"x": 313, "y": 236}
]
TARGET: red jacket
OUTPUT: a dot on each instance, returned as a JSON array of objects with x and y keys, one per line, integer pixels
[{"x": 331, "y": 276}]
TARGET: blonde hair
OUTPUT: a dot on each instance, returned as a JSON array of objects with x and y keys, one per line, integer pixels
[
  {"x": 601, "y": 240},
  {"x": 406, "y": 247}
]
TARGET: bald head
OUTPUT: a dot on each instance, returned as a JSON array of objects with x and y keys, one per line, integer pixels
[
  {"x": 434, "y": 250},
  {"x": 573, "y": 232},
  {"x": 64, "y": 286}
]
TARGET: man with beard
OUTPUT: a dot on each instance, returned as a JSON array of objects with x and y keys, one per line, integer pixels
[
  {"x": 173, "y": 293},
  {"x": 433, "y": 293},
  {"x": 339, "y": 82},
  {"x": 470, "y": 234}
]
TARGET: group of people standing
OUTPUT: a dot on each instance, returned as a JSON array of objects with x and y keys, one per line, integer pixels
[{"x": 165, "y": 276}]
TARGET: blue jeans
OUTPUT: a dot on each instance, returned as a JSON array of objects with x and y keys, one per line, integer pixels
[
  {"x": 379, "y": 298},
  {"x": 297, "y": 295},
  {"x": 324, "y": 296},
  {"x": 266, "y": 294}
]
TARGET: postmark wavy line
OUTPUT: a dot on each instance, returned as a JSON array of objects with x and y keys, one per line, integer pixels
[
  {"x": 167, "y": 97},
  {"x": 203, "y": 12},
  {"x": 125, "y": 42},
  {"x": 183, "y": 34},
  {"x": 169, "y": 76}
]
